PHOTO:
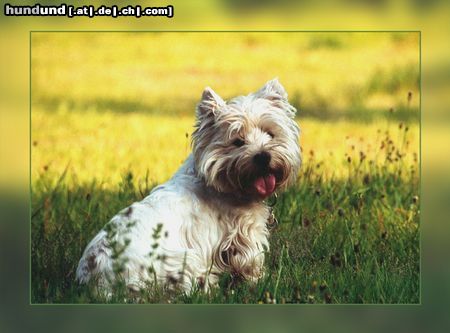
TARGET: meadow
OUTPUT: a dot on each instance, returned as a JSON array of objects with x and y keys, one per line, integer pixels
[{"x": 112, "y": 116}]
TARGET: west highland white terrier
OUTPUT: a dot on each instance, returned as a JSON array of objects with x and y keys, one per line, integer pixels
[{"x": 211, "y": 217}]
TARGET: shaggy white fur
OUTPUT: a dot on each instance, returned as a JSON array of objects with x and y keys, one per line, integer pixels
[{"x": 210, "y": 217}]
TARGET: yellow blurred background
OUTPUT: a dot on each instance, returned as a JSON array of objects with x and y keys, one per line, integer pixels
[{"x": 107, "y": 103}]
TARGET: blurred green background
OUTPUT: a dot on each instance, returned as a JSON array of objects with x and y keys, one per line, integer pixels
[{"x": 430, "y": 17}]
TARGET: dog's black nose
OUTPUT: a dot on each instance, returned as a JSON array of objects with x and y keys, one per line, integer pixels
[{"x": 262, "y": 159}]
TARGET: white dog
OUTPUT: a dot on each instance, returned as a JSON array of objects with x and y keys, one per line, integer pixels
[{"x": 210, "y": 217}]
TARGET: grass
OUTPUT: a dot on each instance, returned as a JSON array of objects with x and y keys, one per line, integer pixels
[
  {"x": 103, "y": 136},
  {"x": 348, "y": 232}
]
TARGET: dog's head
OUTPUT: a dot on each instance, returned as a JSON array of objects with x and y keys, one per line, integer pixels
[{"x": 248, "y": 146}]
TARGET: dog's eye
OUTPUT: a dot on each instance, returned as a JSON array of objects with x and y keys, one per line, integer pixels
[
  {"x": 238, "y": 142},
  {"x": 271, "y": 134}
]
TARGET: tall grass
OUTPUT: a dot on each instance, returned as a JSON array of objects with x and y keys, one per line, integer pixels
[{"x": 343, "y": 237}]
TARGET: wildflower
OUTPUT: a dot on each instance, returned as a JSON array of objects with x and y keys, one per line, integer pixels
[
  {"x": 306, "y": 222},
  {"x": 362, "y": 156},
  {"x": 366, "y": 179},
  {"x": 335, "y": 260}
]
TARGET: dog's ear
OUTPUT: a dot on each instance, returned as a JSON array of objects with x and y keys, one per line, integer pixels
[
  {"x": 210, "y": 103},
  {"x": 272, "y": 90}
]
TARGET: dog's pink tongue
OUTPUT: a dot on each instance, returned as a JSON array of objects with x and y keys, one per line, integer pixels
[{"x": 265, "y": 185}]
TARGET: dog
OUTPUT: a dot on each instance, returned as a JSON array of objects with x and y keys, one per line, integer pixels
[{"x": 211, "y": 217}]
